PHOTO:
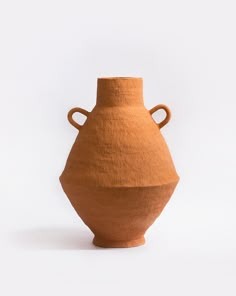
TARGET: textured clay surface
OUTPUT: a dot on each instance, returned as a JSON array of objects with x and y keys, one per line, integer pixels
[{"x": 119, "y": 174}]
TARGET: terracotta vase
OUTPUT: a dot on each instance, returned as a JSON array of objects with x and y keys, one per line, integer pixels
[{"x": 119, "y": 174}]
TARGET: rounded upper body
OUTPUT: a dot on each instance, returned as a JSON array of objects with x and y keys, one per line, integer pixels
[{"x": 119, "y": 145}]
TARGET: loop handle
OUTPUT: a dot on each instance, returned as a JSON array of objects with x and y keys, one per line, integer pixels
[
  {"x": 70, "y": 116},
  {"x": 168, "y": 114}
]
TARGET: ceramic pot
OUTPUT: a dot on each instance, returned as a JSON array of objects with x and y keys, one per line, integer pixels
[{"x": 119, "y": 174}]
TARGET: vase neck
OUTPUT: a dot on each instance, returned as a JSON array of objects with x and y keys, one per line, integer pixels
[{"x": 119, "y": 91}]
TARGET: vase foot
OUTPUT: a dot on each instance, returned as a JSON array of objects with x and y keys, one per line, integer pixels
[{"x": 118, "y": 244}]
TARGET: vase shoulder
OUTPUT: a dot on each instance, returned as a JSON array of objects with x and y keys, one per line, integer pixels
[{"x": 119, "y": 146}]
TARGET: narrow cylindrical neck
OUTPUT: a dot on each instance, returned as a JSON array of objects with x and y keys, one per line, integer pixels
[{"x": 119, "y": 91}]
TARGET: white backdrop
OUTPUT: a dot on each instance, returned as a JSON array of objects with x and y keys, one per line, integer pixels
[{"x": 51, "y": 53}]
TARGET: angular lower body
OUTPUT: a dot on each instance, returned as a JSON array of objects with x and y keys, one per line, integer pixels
[{"x": 119, "y": 216}]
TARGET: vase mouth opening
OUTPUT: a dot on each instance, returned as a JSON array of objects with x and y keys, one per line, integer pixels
[{"x": 120, "y": 78}]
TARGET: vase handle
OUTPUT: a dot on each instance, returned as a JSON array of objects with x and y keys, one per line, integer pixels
[
  {"x": 168, "y": 114},
  {"x": 70, "y": 116}
]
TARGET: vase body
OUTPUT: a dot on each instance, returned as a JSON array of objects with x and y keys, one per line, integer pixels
[{"x": 119, "y": 174}]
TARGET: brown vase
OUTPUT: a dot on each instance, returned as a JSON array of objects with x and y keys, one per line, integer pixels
[{"x": 119, "y": 174}]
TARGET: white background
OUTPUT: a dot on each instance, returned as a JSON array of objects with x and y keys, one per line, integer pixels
[{"x": 51, "y": 54}]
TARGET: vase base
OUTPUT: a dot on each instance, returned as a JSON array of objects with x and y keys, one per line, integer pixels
[{"x": 118, "y": 244}]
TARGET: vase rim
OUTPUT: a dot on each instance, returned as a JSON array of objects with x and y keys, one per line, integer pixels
[{"x": 119, "y": 78}]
